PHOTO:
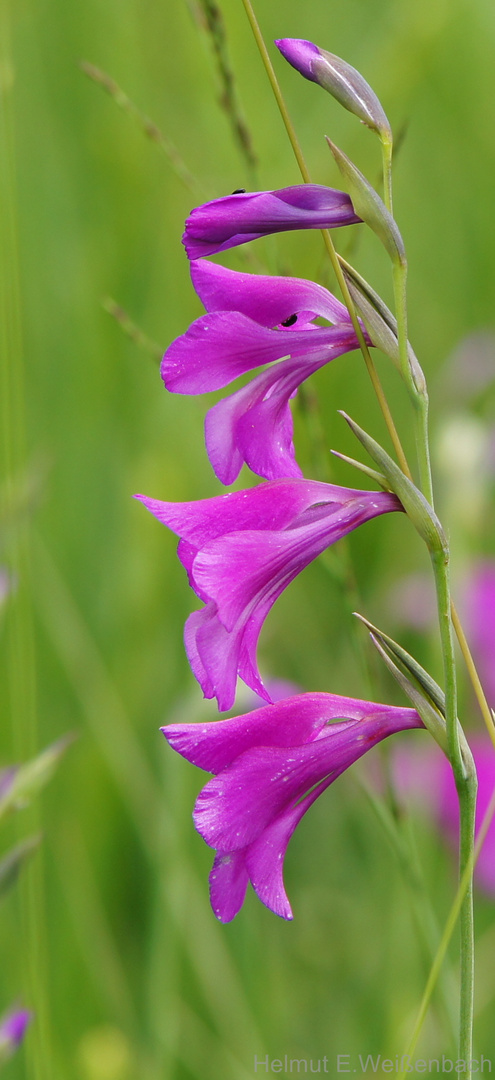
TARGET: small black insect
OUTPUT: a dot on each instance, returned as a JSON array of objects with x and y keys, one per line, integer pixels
[
  {"x": 239, "y": 191},
  {"x": 290, "y": 321}
]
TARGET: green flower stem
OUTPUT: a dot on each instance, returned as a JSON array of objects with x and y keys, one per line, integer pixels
[
  {"x": 467, "y": 809},
  {"x": 414, "y": 381},
  {"x": 289, "y": 127},
  {"x": 387, "y": 152},
  {"x": 465, "y": 780},
  {"x": 460, "y": 759}
]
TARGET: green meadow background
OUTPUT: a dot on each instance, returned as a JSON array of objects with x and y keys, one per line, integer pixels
[{"x": 108, "y": 936}]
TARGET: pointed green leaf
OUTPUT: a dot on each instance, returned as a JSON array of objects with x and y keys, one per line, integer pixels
[
  {"x": 13, "y": 861},
  {"x": 415, "y": 505},
  {"x": 427, "y": 683},
  {"x": 432, "y": 720},
  {"x": 379, "y": 322},
  {"x": 30, "y": 778},
  {"x": 372, "y": 473},
  {"x": 369, "y": 206}
]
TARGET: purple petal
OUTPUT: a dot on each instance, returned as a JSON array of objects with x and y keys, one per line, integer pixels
[
  {"x": 300, "y": 54},
  {"x": 7, "y": 777},
  {"x": 229, "y": 880},
  {"x": 295, "y": 720},
  {"x": 217, "y": 656},
  {"x": 235, "y": 219},
  {"x": 271, "y": 765},
  {"x": 219, "y": 347},
  {"x": 254, "y": 566},
  {"x": 249, "y": 546},
  {"x": 235, "y": 807},
  {"x": 249, "y": 427},
  {"x": 268, "y": 300},
  {"x": 274, "y": 505},
  {"x": 254, "y": 425}
]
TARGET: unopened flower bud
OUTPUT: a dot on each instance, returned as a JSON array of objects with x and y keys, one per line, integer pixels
[{"x": 340, "y": 79}]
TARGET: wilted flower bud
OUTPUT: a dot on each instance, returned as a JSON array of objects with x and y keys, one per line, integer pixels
[{"x": 340, "y": 79}]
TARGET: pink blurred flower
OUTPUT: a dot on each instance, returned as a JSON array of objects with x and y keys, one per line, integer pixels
[{"x": 424, "y": 776}]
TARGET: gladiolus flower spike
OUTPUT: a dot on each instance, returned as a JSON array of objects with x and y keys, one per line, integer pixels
[
  {"x": 240, "y": 551},
  {"x": 269, "y": 766},
  {"x": 234, "y": 219},
  {"x": 253, "y": 320}
]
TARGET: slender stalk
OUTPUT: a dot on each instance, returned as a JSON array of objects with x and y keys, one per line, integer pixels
[
  {"x": 453, "y": 915},
  {"x": 467, "y": 809},
  {"x": 422, "y": 443},
  {"x": 461, "y": 762},
  {"x": 387, "y": 152},
  {"x": 465, "y": 780},
  {"x": 372, "y": 372}
]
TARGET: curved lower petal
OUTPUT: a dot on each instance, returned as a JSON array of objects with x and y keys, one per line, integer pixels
[
  {"x": 254, "y": 425},
  {"x": 268, "y": 300},
  {"x": 229, "y": 880},
  {"x": 264, "y": 860},
  {"x": 249, "y": 428},
  {"x": 217, "y": 655}
]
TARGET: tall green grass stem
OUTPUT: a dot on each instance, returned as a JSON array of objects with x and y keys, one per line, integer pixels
[{"x": 20, "y": 652}]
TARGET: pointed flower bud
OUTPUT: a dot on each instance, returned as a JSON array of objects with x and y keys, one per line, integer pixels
[{"x": 340, "y": 79}]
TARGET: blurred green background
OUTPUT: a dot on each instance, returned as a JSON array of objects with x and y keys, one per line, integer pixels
[{"x": 109, "y": 937}]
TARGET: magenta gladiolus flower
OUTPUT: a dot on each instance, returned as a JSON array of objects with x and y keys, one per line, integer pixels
[
  {"x": 243, "y": 216},
  {"x": 269, "y": 766},
  {"x": 241, "y": 550},
  {"x": 12, "y": 1030},
  {"x": 254, "y": 320}
]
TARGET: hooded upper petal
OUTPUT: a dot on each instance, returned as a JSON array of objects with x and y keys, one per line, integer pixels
[
  {"x": 235, "y": 219},
  {"x": 267, "y": 299}
]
